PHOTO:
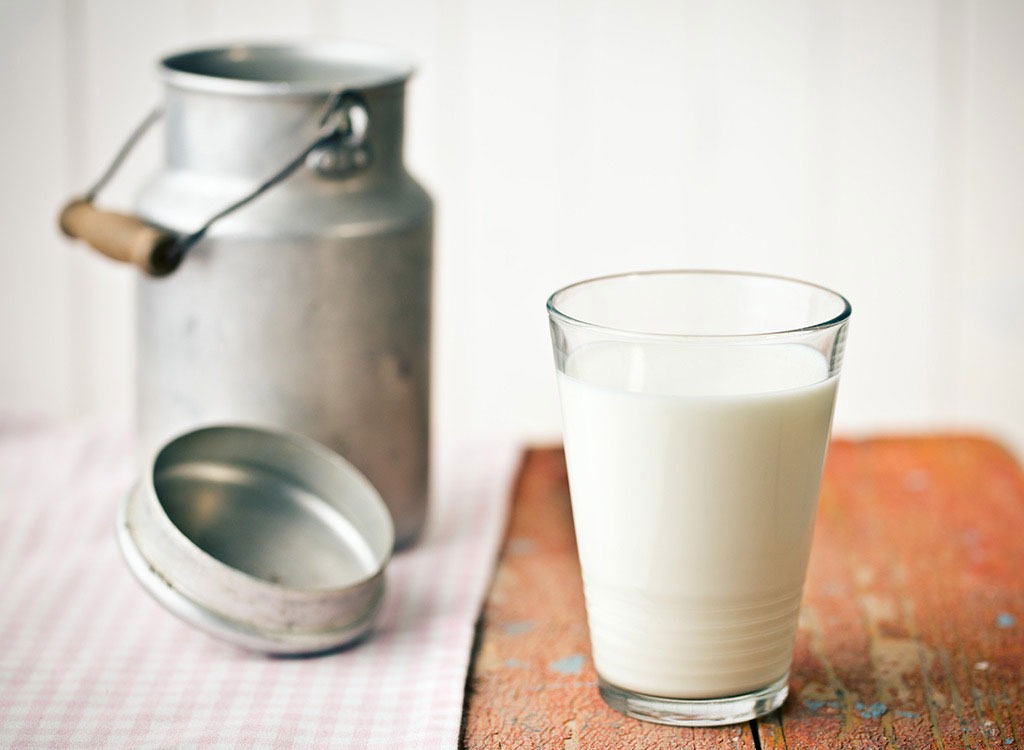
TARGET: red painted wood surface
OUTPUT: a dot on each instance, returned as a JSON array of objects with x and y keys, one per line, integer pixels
[{"x": 912, "y": 631}]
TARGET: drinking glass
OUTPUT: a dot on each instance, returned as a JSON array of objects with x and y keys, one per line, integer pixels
[{"x": 696, "y": 411}]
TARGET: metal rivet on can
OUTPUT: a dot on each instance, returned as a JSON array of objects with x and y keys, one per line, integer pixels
[{"x": 262, "y": 538}]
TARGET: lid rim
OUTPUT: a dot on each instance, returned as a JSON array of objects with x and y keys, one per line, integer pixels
[
  {"x": 385, "y": 67},
  {"x": 234, "y": 604},
  {"x": 227, "y": 628}
]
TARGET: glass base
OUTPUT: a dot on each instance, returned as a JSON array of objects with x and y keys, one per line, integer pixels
[{"x": 702, "y": 712}]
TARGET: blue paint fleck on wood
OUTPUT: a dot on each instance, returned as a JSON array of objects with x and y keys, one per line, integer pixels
[
  {"x": 569, "y": 665},
  {"x": 873, "y": 711}
]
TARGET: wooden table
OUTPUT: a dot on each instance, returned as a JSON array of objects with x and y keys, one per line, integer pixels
[{"x": 911, "y": 635}]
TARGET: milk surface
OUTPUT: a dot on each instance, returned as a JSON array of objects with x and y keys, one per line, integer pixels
[{"x": 694, "y": 475}]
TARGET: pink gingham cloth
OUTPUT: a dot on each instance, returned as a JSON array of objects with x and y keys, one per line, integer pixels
[{"x": 89, "y": 660}]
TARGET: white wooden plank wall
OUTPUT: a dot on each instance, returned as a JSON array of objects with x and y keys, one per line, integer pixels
[{"x": 872, "y": 146}]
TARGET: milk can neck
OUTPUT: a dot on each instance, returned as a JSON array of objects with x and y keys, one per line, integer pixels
[{"x": 251, "y": 137}]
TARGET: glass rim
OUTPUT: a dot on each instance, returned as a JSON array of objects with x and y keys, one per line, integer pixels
[{"x": 556, "y": 314}]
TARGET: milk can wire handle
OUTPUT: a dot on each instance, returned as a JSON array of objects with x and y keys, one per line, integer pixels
[
  {"x": 341, "y": 110},
  {"x": 159, "y": 251},
  {"x": 126, "y": 148}
]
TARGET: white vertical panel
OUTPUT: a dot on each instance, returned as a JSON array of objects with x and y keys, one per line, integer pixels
[
  {"x": 882, "y": 249},
  {"x": 112, "y": 47},
  {"x": 948, "y": 208},
  {"x": 227, "y": 21},
  {"x": 991, "y": 354},
  {"x": 36, "y": 373},
  {"x": 500, "y": 214},
  {"x": 723, "y": 106}
]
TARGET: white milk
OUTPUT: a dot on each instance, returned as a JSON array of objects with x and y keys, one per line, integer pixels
[{"x": 694, "y": 476}]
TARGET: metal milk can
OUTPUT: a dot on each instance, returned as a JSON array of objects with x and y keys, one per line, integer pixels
[{"x": 288, "y": 258}]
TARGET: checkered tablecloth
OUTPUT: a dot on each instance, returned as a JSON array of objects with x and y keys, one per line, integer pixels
[{"x": 88, "y": 659}]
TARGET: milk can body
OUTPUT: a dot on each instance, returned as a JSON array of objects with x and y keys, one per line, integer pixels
[{"x": 309, "y": 308}]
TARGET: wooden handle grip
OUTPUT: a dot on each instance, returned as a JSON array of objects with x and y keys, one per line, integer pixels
[{"x": 120, "y": 237}]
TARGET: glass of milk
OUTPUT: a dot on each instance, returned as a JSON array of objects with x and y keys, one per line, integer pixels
[{"x": 696, "y": 409}]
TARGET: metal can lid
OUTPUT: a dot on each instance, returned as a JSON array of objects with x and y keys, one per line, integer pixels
[{"x": 263, "y": 538}]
